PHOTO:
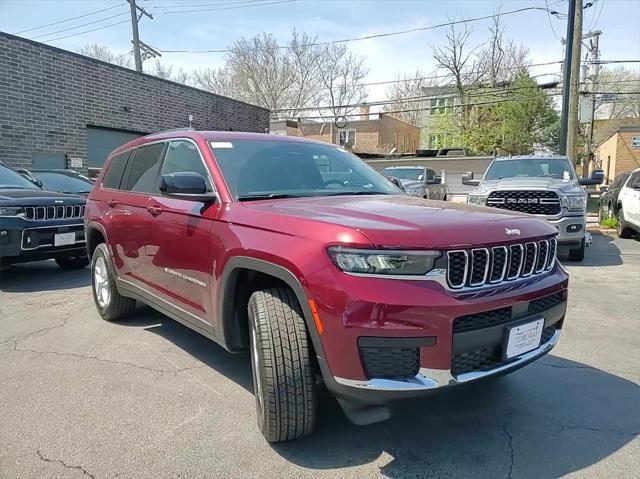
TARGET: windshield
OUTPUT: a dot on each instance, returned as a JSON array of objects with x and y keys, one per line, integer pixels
[
  {"x": 11, "y": 179},
  {"x": 255, "y": 169},
  {"x": 559, "y": 168},
  {"x": 405, "y": 173},
  {"x": 63, "y": 183}
]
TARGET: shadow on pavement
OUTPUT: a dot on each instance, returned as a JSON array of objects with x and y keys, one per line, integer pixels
[
  {"x": 42, "y": 276},
  {"x": 551, "y": 418},
  {"x": 603, "y": 252}
]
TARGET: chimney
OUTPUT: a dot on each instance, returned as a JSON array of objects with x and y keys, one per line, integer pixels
[{"x": 364, "y": 111}]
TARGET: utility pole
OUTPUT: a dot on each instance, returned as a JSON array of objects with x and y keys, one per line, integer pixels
[
  {"x": 566, "y": 77},
  {"x": 592, "y": 77},
  {"x": 574, "y": 86},
  {"x": 134, "y": 27}
]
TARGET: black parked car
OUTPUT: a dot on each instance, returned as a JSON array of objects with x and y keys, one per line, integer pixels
[
  {"x": 36, "y": 224},
  {"x": 62, "y": 181},
  {"x": 609, "y": 199}
]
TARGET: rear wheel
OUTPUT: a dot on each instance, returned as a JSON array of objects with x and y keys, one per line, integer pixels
[
  {"x": 578, "y": 253},
  {"x": 622, "y": 230},
  {"x": 111, "y": 305},
  {"x": 282, "y": 364},
  {"x": 72, "y": 262}
]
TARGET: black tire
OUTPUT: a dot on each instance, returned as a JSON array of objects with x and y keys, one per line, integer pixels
[
  {"x": 283, "y": 366},
  {"x": 578, "y": 253},
  {"x": 116, "y": 306},
  {"x": 72, "y": 262},
  {"x": 622, "y": 230}
]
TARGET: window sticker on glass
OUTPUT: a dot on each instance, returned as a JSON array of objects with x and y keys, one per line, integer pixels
[{"x": 221, "y": 144}]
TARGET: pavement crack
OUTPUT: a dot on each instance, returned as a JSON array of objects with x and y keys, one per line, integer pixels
[
  {"x": 82, "y": 357},
  {"x": 65, "y": 465},
  {"x": 15, "y": 341},
  {"x": 597, "y": 429},
  {"x": 510, "y": 442}
]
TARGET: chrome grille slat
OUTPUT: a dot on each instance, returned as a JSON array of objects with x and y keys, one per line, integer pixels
[
  {"x": 478, "y": 267},
  {"x": 40, "y": 213}
]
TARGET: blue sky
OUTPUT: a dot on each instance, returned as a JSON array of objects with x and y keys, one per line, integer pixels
[{"x": 329, "y": 20}]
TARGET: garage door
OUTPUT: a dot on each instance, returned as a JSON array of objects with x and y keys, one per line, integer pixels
[
  {"x": 49, "y": 160},
  {"x": 102, "y": 141}
]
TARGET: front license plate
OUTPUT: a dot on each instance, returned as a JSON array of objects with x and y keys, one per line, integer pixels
[
  {"x": 524, "y": 338},
  {"x": 62, "y": 239}
]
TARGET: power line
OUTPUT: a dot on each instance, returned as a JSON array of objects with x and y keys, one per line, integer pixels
[
  {"x": 80, "y": 26},
  {"x": 260, "y": 4},
  {"x": 369, "y": 37},
  {"x": 553, "y": 30},
  {"x": 86, "y": 31},
  {"x": 68, "y": 19},
  {"x": 594, "y": 24},
  {"x": 216, "y": 4}
]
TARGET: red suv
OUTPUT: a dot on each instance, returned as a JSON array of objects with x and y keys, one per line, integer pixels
[{"x": 322, "y": 268}]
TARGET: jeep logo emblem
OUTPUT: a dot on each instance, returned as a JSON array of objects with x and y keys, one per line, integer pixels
[{"x": 512, "y": 231}]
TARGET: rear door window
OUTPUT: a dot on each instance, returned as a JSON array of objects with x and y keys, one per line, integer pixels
[
  {"x": 145, "y": 169},
  {"x": 115, "y": 170}
]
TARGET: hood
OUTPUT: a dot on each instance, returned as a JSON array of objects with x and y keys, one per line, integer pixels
[
  {"x": 409, "y": 222},
  {"x": 23, "y": 197},
  {"x": 558, "y": 185}
]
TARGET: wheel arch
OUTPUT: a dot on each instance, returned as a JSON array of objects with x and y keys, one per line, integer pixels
[
  {"x": 254, "y": 274},
  {"x": 95, "y": 234}
]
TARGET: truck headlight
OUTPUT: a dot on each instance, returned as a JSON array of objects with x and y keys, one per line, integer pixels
[
  {"x": 11, "y": 210},
  {"x": 478, "y": 200},
  {"x": 382, "y": 262},
  {"x": 574, "y": 203},
  {"x": 415, "y": 191}
]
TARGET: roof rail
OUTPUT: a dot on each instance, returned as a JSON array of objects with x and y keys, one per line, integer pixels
[{"x": 157, "y": 133}]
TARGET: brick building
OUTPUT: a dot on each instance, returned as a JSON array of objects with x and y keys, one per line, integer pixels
[
  {"x": 59, "y": 109},
  {"x": 366, "y": 136},
  {"x": 620, "y": 153}
]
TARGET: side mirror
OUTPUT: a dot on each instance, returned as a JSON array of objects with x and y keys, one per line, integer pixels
[
  {"x": 420, "y": 177},
  {"x": 186, "y": 184},
  {"x": 396, "y": 182},
  {"x": 467, "y": 179},
  {"x": 437, "y": 180}
]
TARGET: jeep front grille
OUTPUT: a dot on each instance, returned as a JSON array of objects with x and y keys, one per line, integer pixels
[
  {"x": 37, "y": 213},
  {"x": 480, "y": 266},
  {"x": 533, "y": 202}
]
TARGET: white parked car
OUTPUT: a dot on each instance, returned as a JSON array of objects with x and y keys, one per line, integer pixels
[{"x": 629, "y": 206}]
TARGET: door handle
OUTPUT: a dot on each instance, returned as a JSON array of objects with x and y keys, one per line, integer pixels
[
  {"x": 154, "y": 210},
  {"x": 112, "y": 203}
]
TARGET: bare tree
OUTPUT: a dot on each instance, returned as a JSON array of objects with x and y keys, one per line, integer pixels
[
  {"x": 621, "y": 98},
  {"x": 341, "y": 73},
  {"x": 168, "y": 72},
  {"x": 406, "y": 87},
  {"x": 100, "y": 52}
]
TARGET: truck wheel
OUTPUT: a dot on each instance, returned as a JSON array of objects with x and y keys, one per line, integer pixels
[
  {"x": 283, "y": 370},
  {"x": 622, "y": 230},
  {"x": 109, "y": 303},
  {"x": 72, "y": 262},
  {"x": 578, "y": 254}
]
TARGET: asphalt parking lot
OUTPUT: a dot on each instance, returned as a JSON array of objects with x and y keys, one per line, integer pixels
[{"x": 80, "y": 397}]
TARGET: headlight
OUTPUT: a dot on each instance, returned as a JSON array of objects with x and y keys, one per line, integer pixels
[
  {"x": 415, "y": 191},
  {"x": 11, "y": 210},
  {"x": 478, "y": 200},
  {"x": 362, "y": 261},
  {"x": 574, "y": 203}
]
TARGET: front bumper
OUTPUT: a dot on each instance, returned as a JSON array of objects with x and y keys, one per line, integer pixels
[
  {"x": 424, "y": 316},
  {"x": 571, "y": 229},
  {"x": 23, "y": 241}
]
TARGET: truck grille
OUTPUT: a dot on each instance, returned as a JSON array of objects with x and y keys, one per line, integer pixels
[
  {"x": 481, "y": 266},
  {"x": 533, "y": 202},
  {"x": 36, "y": 213}
]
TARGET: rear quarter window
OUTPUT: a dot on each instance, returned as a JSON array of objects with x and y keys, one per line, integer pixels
[{"x": 115, "y": 170}]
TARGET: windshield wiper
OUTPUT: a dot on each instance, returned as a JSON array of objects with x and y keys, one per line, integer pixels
[
  {"x": 349, "y": 193},
  {"x": 271, "y": 196}
]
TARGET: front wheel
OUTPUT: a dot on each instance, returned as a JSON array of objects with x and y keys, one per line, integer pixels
[
  {"x": 282, "y": 364},
  {"x": 622, "y": 230},
  {"x": 111, "y": 305},
  {"x": 72, "y": 262},
  {"x": 578, "y": 253}
]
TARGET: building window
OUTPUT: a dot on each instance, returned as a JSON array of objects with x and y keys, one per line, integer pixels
[
  {"x": 439, "y": 106},
  {"x": 347, "y": 138}
]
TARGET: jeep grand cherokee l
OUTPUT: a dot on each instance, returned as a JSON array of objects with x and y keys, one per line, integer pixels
[
  {"x": 246, "y": 239},
  {"x": 37, "y": 224}
]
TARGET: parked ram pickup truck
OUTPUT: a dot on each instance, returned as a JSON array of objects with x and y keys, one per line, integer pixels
[
  {"x": 246, "y": 239},
  {"x": 545, "y": 186},
  {"x": 418, "y": 181}
]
